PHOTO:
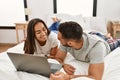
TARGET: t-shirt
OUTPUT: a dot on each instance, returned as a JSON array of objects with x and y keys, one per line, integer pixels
[
  {"x": 51, "y": 42},
  {"x": 93, "y": 50}
]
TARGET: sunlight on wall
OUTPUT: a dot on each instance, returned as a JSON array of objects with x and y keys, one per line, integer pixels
[{"x": 75, "y": 7}]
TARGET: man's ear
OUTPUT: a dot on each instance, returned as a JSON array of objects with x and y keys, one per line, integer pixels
[{"x": 69, "y": 43}]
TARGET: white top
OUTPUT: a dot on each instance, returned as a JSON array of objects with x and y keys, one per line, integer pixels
[{"x": 51, "y": 42}]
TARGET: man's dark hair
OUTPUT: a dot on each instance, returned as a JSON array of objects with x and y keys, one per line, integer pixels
[{"x": 71, "y": 30}]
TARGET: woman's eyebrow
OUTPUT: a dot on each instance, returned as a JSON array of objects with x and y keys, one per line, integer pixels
[{"x": 37, "y": 31}]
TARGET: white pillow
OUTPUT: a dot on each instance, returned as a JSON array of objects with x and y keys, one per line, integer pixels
[
  {"x": 97, "y": 24},
  {"x": 67, "y": 17},
  {"x": 78, "y": 19}
]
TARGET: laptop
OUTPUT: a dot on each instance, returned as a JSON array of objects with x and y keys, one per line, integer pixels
[{"x": 33, "y": 64}]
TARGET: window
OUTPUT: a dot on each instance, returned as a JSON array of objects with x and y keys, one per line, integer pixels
[{"x": 74, "y": 7}]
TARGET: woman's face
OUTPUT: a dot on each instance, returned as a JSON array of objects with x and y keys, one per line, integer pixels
[{"x": 41, "y": 33}]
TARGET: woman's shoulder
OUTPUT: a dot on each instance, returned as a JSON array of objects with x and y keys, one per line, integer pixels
[{"x": 52, "y": 38}]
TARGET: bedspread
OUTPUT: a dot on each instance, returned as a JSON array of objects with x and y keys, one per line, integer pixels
[{"x": 8, "y": 71}]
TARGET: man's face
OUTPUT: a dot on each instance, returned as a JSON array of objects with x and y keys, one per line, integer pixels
[
  {"x": 70, "y": 43},
  {"x": 62, "y": 40}
]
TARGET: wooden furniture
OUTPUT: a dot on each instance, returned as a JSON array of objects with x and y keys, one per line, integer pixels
[
  {"x": 21, "y": 26},
  {"x": 116, "y": 27}
]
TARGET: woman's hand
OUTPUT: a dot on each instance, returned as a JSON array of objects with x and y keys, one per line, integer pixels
[
  {"x": 59, "y": 76},
  {"x": 69, "y": 69},
  {"x": 51, "y": 57}
]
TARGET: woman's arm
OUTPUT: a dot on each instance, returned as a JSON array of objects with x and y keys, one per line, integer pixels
[
  {"x": 60, "y": 56},
  {"x": 53, "y": 52}
]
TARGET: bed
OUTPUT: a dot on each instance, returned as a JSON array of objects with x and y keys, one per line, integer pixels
[
  {"x": 112, "y": 60},
  {"x": 8, "y": 71}
]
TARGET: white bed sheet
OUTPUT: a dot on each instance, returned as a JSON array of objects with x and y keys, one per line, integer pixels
[{"x": 8, "y": 71}]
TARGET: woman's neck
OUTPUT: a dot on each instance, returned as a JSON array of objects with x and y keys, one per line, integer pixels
[{"x": 42, "y": 43}]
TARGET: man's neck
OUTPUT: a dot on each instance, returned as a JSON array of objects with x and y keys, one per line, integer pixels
[{"x": 79, "y": 44}]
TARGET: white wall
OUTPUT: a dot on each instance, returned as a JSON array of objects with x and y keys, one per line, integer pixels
[
  {"x": 11, "y": 11},
  {"x": 42, "y": 8},
  {"x": 80, "y": 7},
  {"x": 37, "y": 9},
  {"x": 9, "y": 36},
  {"x": 108, "y": 8}
]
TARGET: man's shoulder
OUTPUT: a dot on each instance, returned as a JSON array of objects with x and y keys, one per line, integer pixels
[{"x": 92, "y": 38}]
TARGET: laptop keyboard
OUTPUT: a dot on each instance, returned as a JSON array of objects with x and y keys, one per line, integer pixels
[{"x": 55, "y": 67}]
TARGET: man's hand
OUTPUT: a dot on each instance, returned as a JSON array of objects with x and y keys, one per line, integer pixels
[
  {"x": 69, "y": 69},
  {"x": 59, "y": 76}
]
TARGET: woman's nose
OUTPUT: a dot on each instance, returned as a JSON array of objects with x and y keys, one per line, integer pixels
[{"x": 43, "y": 33}]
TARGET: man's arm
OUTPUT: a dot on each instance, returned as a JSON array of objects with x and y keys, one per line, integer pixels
[
  {"x": 60, "y": 56},
  {"x": 95, "y": 71}
]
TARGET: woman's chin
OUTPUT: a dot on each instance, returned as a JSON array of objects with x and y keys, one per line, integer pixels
[{"x": 43, "y": 40}]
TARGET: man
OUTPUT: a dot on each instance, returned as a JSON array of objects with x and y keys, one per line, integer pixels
[{"x": 84, "y": 47}]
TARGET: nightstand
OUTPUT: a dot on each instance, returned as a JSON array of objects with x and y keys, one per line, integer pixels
[
  {"x": 21, "y": 26},
  {"x": 116, "y": 27}
]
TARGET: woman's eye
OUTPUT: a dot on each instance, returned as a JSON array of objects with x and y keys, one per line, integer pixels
[
  {"x": 38, "y": 32},
  {"x": 44, "y": 29}
]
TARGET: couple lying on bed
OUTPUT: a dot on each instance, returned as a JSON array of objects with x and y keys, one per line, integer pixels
[
  {"x": 113, "y": 43},
  {"x": 84, "y": 47}
]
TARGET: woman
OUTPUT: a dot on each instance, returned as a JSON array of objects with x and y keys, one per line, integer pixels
[{"x": 40, "y": 41}]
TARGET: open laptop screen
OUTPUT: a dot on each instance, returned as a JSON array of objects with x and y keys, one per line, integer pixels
[{"x": 33, "y": 64}]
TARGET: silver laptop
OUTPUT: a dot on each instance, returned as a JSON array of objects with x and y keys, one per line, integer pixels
[{"x": 33, "y": 64}]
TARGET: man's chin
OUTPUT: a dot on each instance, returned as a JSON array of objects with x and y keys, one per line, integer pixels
[{"x": 66, "y": 45}]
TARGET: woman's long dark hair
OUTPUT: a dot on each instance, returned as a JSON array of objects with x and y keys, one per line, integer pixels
[{"x": 29, "y": 46}]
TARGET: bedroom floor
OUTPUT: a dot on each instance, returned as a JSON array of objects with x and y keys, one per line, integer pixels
[{"x": 5, "y": 46}]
